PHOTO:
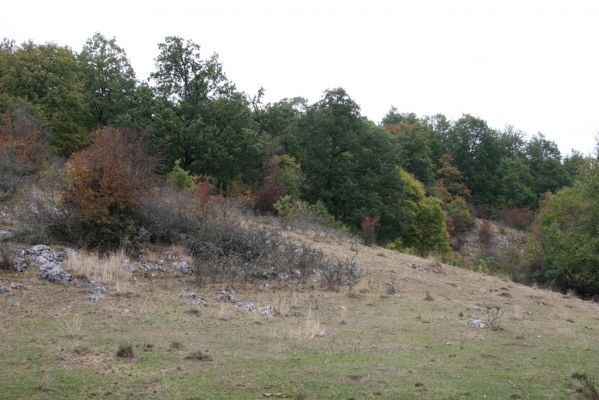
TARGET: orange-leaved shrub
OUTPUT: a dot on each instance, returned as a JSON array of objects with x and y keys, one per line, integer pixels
[
  {"x": 369, "y": 226},
  {"x": 106, "y": 182}
]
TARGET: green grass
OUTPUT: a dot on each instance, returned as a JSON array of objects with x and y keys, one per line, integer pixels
[{"x": 54, "y": 345}]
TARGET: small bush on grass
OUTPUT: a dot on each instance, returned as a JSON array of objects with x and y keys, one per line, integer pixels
[
  {"x": 7, "y": 256},
  {"x": 585, "y": 386},
  {"x": 198, "y": 356},
  {"x": 125, "y": 351}
]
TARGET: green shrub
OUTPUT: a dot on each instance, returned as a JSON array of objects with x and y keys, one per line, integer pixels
[
  {"x": 292, "y": 210},
  {"x": 564, "y": 249},
  {"x": 180, "y": 179},
  {"x": 423, "y": 227}
]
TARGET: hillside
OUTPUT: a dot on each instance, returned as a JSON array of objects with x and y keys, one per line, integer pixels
[{"x": 405, "y": 332}]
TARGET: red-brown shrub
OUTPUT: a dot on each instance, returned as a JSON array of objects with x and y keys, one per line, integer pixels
[
  {"x": 484, "y": 232},
  {"x": 519, "y": 218},
  {"x": 369, "y": 226},
  {"x": 267, "y": 196},
  {"x": 107, "y": 180}
]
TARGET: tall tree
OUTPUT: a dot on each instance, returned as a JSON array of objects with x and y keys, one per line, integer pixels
[
  {"x": 415, "y": 139},
  {"x": 200, "y": 119},
  {"x": 187, "y": 79},
  {"x": 108, "y": 78},
  {"x": 476, "y": 151},
  {"x": 544, "y": 160},
  {"x": 352, "y": 166}
]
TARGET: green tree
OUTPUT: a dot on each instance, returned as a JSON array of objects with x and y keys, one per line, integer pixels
[
  {"x": 516, "y": 184},
  {"x": 423, "y": 227},
  {"x": 108, "y": 78},
  {"x": 351, "y": 165},
  {"x": 544, "y": 160},
  {"x": 200, "y": 119},
  {"x": 46, "y": 76},
  {"x": 187, "y": 79},
  {"x": 564, "y": 249},
  {"x": 414, "y": 144},
  {"x": 477, "y": 153}
]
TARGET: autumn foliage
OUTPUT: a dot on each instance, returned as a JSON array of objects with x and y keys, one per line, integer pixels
[
  {"x": 369, "y": 226},
  {"x": 107, "y": 179}
]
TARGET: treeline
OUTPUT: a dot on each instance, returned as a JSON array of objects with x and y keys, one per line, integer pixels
[{"x": 414, "y": 181}]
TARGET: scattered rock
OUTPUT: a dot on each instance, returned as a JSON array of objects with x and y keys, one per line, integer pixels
[
  {"x": 39, "y": 248},
  {"x": 476, "y": 323},
  {"x": 3, "y": 289},
  {"x": 417, "y": 267},
  {"x": 424, "y": 268},
  {"x": 99, "y": 291},
  {"x": 49, "y": 262},
  {"x": 476, "y": 307},
  {"x": 94, "y": 297},
  {"x": 17, "y": 286},
  {"x": 189, "y": 296},
  {"x": 201, "y": 302},
  {"x": 53, "y": 272},
  {"x": 539, "y": 300},
  {"x": 182, "y": 266},
  {"x": 245, "y": 306},
  {"x": 283, "y": 277},
  {"x": 197, "y": 299},
  {"x": 226, "y": 296},
  {"x": 5, "y": 235},
  {"x": 154, "y": 267},
  {"x": 265, "y": 311}
]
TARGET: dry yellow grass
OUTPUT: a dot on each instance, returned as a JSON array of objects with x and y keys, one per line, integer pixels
[
  {"x": 109, "y": 270},
  {"x": 310, "y": 328}
]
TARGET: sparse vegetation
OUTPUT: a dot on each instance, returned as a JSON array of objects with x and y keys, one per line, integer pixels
[{"x": 110, "y": 269}]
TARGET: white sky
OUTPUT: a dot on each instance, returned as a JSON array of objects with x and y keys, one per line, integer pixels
[{"x": 530, "y": 64}]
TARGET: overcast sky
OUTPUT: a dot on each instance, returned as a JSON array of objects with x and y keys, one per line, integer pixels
[{"x": 530, "y": 64}]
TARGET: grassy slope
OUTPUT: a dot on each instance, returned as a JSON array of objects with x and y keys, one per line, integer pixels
[{"x": 53, "y": 344}]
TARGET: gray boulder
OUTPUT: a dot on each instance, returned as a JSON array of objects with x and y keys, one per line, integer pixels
[
  {"x": 5, "y": 235},
  {"x": 226, "y": 296},
  {"x": 3, "y": 289},
  {"x": 53, "y": 272},
  {"x": 266, "y": 311},
  {"x": 245, "y": 306},
  {"x": 476, "y": 323},
  {"x": 196, "y": 298},
  {"x": 182, "y": 266}
]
